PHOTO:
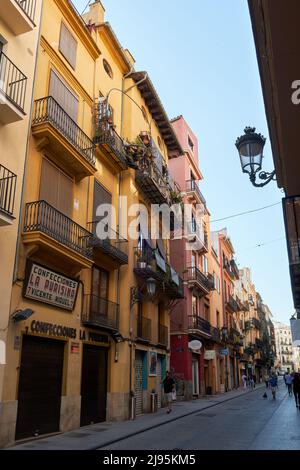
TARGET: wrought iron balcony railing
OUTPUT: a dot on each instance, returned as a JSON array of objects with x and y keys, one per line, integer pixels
[
  {"x": 199, "y": 324},
  {"x": 231, "y": 304},
  {"x": 29, "y": 8},
  {"x": 259, "y": 343},
  {"x": 163, "y": 335},
  {"x": 47, "y": 110},
  {"x": 112, "y": 142},
  {"x": 8, "y": 182},
  {"x": 42, "y": 217},
  {"x": 227, "y": 267},
  {"x": 234, "y": 269},
  {"x": 13, "y": 82},
  {"x": 148, "y": 263},
  {"x": 256, "y": 323},
  {"x": 144, "y": 329},
  {"x": 100, "y": 313},
  {"x": 195, "y": 276},
  {"x": 195, "y": 231},
  {"x": 216, "y": 334},
  {"x": 192, "y": 186},
  {"x": 114, "y": 245}
]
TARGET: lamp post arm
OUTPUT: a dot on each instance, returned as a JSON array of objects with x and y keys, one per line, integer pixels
[
  {"x": 128, "y": 96},
  {"x": 263, "y": 175}
]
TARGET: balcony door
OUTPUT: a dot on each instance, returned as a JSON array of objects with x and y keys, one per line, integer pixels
[
  {"x": 100, "y": 286},
  {"x": 101, "y": 196},
  {"x": 59, "y": 90},
  {"x": 56, "y": 188}
]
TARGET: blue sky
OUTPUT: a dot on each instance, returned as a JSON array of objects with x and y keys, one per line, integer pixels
[{"x": 201, "y": 57}]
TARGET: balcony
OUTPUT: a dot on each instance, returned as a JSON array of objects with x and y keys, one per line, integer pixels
[
  {"x": 259, "y": 343},
  {"x": 163, "y": 336},
  {"x": 193, "y": 192},
  {"x": 13, "y": 85},
  {"x": 198, "y": 325},
  {"x": 248, "y": 325},
  {"x": 144, "y": 330},
  {"x": 235, "y": 337},
  {"x": 100, "y": 313},
  {"x": 8, "y": 182},
  {"x": 228, "y": 269},
  {"x": 197, "y": 236},
  {"x": 231, "y": 304},
  {"x": 66, "y": 141},
  {"x": 56, "y": 234},
  {"x": 256, "y": 323},
  {"x": 234, "y": 269},
  {"x": 196, "y": 279},
  {"x": 216, "y": 335},
  {"x": 152, "y": 182},
  {"x": 113, "y": 250},
  {"x": 19, "y": 15},
  {"x": 149, "y": 264},
  {"x": 111, "y": 144}
]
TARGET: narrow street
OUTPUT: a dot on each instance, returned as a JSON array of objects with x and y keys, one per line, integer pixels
[{"x": 245, "y": 423}]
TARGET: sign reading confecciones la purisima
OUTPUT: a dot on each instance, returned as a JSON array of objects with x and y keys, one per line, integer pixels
[{"x": 49, "y": 287}]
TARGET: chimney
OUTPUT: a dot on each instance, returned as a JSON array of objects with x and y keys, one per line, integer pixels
[{"x": 96, "y": 13}]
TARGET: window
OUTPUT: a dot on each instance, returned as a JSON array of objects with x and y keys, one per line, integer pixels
[
  {"x": 218, "y": 319},
  {"x": 59, "y": 90},
  {"x": 191, "y": 143},
  {"x": 56, "y": 188},
  {"x": 206, "y": 312},
  {"x": 144, "y": 112},
  {"x": 159, "y": 141},
  {"x": 194, "y": 306},
  {"x": 68, "y": 45},
  {"x": 100, "y": 283},
  {"x": 205, "y": 264},
  {"x": 108, "y": 68},
  {"x": 101, "y": 196}
]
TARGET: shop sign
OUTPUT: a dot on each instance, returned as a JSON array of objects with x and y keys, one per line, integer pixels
[
  {"x": 49, "y": 287},
  {"x": 51, "y": 329},
  {"x": 210, "y": 355},
  {"x": 224, "y": 352}
]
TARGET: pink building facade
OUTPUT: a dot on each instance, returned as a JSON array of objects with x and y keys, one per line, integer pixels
[{"x": 190, "y": 318}]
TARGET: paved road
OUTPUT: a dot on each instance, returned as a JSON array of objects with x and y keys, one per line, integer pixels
[{"x": 247, "y": 422}]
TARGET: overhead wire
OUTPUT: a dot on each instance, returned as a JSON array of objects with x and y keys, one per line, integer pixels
[{"x": 245, "y": 213}]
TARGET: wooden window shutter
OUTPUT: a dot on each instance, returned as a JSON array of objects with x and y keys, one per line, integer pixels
[
  {"x": 65, "y": 195},
  {"x": 63, "y": 95},
  {"x": 49, "y": 183},
  {"x": 68, "y": 45},
  {"x": 101, "y": 196},
  {"x": 56, "y": 188}
]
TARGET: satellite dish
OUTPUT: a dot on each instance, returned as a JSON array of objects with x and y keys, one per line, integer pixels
[{"x": 195, "y": 345}]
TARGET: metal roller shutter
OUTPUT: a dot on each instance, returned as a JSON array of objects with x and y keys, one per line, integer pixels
[{"x": 138, "y": 384}]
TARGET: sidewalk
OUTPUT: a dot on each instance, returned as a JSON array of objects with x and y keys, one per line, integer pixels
[{"x": 104, "y": 434}]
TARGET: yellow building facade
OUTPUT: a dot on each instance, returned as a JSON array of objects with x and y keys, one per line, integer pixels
[
  {"x": 89, "y": 336},
  {"x": 19, "y": 33}
]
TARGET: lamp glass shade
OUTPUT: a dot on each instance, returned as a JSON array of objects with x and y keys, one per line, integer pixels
[
  {"x": 250, "y": 147},
  {"x": 151, "y": 287}
]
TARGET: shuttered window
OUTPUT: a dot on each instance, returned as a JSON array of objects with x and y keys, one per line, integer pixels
[
  {"x": 68, "y": 45},
  {"x": 56, "y": 188},
  {"x": 101, "y": 196},
  {"x": 100, "y": 283},
  {"x": 63, "y": 95}
]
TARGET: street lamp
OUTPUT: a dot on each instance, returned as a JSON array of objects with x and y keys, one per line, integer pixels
[
  {"x": 250, "y": 147},
  {"x": 136, "y": 294}
]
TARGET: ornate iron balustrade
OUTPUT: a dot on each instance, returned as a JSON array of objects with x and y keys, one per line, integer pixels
[
  {"x": 144, "y": 329},
  {"x": 256, "y": 323},
  {"x": 232, "y": 304},
  {"x": 8, "y": 182},
  {"x": 114, "y": 142},
  {"x": 152, "y": 182},
  {"x": 234, "y": 268},
  {"x": 42, "y": 217},
  {"x": 114, "y": 245},
  {"x": 194, "y": 274},
  {"x": 227, "y": 267},
  {"x": 216, "y": 334},
  {"x": 192, "y": 186},
  {"x": 13, "y": 82},
  {"x": 200, "y": 324},
  {"x": 100, "y": 313},
  {"x": 163, "y": 335},
  {"x": 29, "y": 8},
  {"x": 47, "y": 110}
]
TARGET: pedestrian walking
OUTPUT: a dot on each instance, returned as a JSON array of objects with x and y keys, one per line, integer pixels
[
  {"x": 284, "y": 378},
  {"x": 267, "y": 378},
  {"x": 169, "y": 386},
  {"x": 289, "y": 381},
  {"x": 273, "y": 384},
  {"x": 244, "y": 379},
  {"x": 251, "y": 382},
  {"x": 296, "y": 388}
]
